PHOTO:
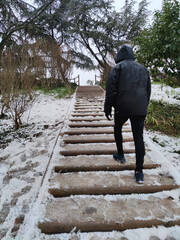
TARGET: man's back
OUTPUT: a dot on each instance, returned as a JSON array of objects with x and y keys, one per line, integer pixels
[
  {"x": 129, "y": 82},
  {"x": 128, "y": 90},
  {"x": 132, "y": 88}
]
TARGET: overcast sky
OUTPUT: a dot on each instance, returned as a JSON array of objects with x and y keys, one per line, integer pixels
[{"x": 153, "y": 4}]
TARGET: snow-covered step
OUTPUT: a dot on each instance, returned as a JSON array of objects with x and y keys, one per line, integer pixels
[
  {"x": 90, "y": 97},
  {"x": 87, "y": 170},
  {"x": 105, "y": 130},
  {"x": 86, "y": 114},
  {"x": 86, "y": 99},
  {"x": 109, "y": 213},
  {"x": 94, "y": 139},
  {"x": 88, "y": 110},
  {"x": 97, "y": 183},
  {"x": 93, "y": 124},
  {"x": 87, "y": 119},
  {"x": 90, "y": 103},
  {"x": 88, "y": 107},
  {"x": 99, "y": 163},
  {"x": 94, "y": 149}
]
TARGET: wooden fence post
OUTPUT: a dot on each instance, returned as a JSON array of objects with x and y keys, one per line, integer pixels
[{"x": 78, "y": 80}]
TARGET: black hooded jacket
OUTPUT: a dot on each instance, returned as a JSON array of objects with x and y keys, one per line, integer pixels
[{"x": 128, "y": 87}]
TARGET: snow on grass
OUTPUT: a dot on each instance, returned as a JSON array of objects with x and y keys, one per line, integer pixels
[
  {"x": 166, "y": 149},
  {"x": 23, "y": 162},
  {"x": 169, "y": 147},
  {"x": 23, "y": 159},
  {"x": 166, "y": 94}
]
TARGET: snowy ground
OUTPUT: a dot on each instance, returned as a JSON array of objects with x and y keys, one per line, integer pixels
[
  {"x": 166, "y": 94},
  {"x": 168, "y": 146},
  {"x": 27, "y": 153},
  {"x": 23, "y": 161}
]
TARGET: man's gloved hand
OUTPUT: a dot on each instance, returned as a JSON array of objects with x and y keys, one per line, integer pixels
[
  {"x": 108, "y": 116},
  {"x": 107, "y": 111}
]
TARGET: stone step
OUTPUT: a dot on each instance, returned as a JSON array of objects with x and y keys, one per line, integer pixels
[
  {"x": 79, "y": 131},
  {"x": 87, "y": 119},
  {"x": 89, "y": 107},
  {"x": 86, "y": 89},
  {"x": 94, "y": 149},
  {"x": 97, "y": 183},
  {"x": 99, "y": 163},
  {"x": 87, "y": 114},
  {"x": 85, "y": 99},
  {"x": 88, "y": 110},
  {"x": 83, "y": 102},
  {"x": 89, "y": 98},
  {"x": 90, "y": 103},
  {"x": 109, "y": 213},
  {"x": 90, "y": 95},
  {"x": 93, "y": 124},
  {"x": 94, "y": 139}
]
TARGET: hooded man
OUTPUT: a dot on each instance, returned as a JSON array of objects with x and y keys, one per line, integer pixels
[{"x": 128, "y": 90}]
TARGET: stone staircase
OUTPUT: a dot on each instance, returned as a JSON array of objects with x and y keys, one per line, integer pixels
[{"x": 92, "y": 191}]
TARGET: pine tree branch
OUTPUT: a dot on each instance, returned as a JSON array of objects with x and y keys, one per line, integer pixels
[
  {"x": 21, "y": 26},
  {"x": 91, "y": 51}
]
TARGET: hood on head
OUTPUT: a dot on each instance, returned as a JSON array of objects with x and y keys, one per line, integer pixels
[{"x": 125, "y": 52}]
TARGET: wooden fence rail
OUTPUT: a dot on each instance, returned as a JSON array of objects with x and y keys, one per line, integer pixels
[{"x": 75, "y": 80}]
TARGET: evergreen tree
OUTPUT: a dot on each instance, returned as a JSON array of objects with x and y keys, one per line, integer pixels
[
  {"x": 15, "y": 18},
  {"x": 159, "y": 45},
  {"x": 97, "y": 30},
  {"x": 92, "y": 29}
]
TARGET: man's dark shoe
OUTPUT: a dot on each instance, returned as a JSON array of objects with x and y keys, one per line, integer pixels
[
  {"x": 120, "y": 158},
  {"x": 139, "y": 177}
]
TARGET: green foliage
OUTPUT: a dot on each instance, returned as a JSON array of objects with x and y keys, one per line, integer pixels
[
  {"x": 59, "y": 92},
  {"x": 162, "y": 144},
  {"x": 103, "y": 85},
  {"x": 164, "y": 83},
  {"x": 163, "y": 117},
  {"x": 159, "y": 45},
  {"x": 90, "y": 82}
]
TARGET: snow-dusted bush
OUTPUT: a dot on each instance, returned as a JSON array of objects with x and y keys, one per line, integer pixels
[{"x": 18, "y": 72}]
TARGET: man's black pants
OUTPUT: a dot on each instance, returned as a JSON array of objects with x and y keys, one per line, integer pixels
[{"x": 137, "y": 125}]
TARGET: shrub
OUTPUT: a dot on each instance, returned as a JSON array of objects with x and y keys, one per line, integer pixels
[{"x": 163, "y": 117}]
